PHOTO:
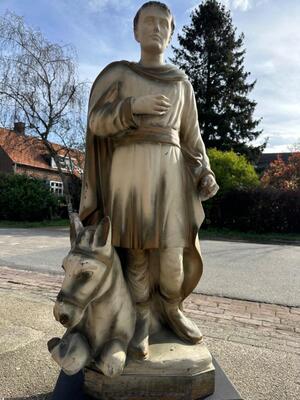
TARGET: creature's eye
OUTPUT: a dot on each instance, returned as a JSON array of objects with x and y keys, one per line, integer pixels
[{"x": 84, "y": 276}]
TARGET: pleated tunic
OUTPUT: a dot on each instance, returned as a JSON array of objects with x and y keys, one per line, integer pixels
[{"x": 152, "y": 200}]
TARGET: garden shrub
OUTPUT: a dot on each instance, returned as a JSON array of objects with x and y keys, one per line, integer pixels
[
  {"x": 283, "y": 175},
  {"x": 232, "y": 170},
  {"x": 23, "y": 198}
]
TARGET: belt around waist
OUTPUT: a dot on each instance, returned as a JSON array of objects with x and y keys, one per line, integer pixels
[{"x": 148, "y": 135}]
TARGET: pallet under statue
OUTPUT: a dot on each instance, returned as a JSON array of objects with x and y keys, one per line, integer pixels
[{"x": 135, "y": 254}]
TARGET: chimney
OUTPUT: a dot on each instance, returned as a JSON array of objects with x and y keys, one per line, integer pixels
[{"x": 19, "y": 128}]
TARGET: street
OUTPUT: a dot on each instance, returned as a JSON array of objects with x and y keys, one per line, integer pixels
[
  {"x": 40, "y": 249},
  {"x": 247, "y": 271},
  {"x": 259, "y": 272}
]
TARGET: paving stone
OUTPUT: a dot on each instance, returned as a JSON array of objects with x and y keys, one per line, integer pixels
[
  {"x": 254, "y": 307},
  {"x": 295, "y": 310},
  {"x": 292, "y": 318},
  {"x": 225, "y": 316},
  {"x": 205, "y": 303},
  {"x": 265, "y": 306},
  {"x": 248, "y": 321},
  {"x": 214, "y": 310},
  {"x": 293, "y": 344},
  {"x": 233, "y": 307},
  {"x": 238, "y": 314},
  {"x": 268, "y": 318}
]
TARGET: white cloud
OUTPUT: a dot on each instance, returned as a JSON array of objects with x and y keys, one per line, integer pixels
[
  {"x": 272, "y": 38},
  {"x": 99, "y": 5},
  {"x": 278, "y": 142},
  {"x": 239, "y": 5},
  {"x": 243, "y": 5},
  {"x": 89, "y": 72},
  {"x": 277, "y": 149}
]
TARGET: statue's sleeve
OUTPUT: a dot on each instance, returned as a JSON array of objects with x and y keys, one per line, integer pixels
[
  {"x": 109, "y": 114},
  {"x": 190, "y": 136}
]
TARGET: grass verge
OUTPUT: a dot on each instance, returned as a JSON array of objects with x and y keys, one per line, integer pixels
[
  {"x": 227, "y": 234},
  {"x": 35, "y": 224}
]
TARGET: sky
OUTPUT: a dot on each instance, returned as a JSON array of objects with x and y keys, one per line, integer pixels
[{"x": 101, "y": 32}]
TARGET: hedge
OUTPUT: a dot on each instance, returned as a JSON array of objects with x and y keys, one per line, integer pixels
[
  {"x": 257, "y": 210},
  {"x": 23, "y": 198}
]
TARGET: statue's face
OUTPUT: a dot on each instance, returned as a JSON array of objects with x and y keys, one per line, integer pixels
[{"x": 153, "y": 30}]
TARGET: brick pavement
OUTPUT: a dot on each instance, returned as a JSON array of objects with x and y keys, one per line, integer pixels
[
  {"x": 44, "y": 284},
  {"x": 258, "y": 324}
]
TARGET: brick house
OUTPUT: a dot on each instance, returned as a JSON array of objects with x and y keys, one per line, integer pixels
[
  {"x": 22, "y": 154},
  {"x": 266, "y": 159}
]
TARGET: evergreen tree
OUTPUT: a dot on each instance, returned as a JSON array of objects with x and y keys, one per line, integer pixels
[{"x": 212, "y": 56}]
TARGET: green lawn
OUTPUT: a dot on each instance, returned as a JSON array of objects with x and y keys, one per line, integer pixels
[{"x": 37, "y": 224}]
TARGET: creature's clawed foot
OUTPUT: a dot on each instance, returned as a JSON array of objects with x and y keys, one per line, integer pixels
[
  {"x": 53, "y": 343},
  {"x": 113, "y": 358},
  {"x": 72, "y": 352}
]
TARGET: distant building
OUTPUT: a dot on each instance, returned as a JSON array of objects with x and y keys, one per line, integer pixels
[
  {"x": 266, "y": 158},
  {"x": 22, "y": 154}
]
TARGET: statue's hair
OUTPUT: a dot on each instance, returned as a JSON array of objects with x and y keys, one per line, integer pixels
[{"x": 156, "y": 4}]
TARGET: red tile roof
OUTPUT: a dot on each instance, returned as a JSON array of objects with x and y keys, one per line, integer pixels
[{"x": 31, "y": 151}]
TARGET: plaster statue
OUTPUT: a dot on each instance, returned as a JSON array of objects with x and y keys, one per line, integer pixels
[{"x": 147, "y": 169}]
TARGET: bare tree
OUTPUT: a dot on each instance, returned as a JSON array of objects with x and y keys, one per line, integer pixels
[
  {"x": 39, "y": 86},
  {"x": 295, "y": 147}
]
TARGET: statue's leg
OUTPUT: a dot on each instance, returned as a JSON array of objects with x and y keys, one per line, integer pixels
[
  {"x": 112, "y": 358},
  {"x": 171, "y": 280},
  {"x": 139, "y": 282}
]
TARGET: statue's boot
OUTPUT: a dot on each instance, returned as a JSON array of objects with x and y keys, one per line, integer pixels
[
  {"x": 139, "y": 345},
  {"x": 184, "y": 328}
]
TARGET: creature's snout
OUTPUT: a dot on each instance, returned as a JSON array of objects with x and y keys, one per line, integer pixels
[
  {"x": 61, "y": 315},
  {"x": 64, "y": 319},
  {"x": 59, "y": 310},
  {"x": 65, "y": 312}
]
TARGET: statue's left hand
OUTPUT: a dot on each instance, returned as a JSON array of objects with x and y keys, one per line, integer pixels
[{"x": 208, "y": 187}]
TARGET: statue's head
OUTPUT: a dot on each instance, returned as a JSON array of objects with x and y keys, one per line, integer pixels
[{"x": 153, "y": 26}]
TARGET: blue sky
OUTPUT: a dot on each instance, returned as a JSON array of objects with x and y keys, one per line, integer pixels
[{"x": 101, "y": 32}]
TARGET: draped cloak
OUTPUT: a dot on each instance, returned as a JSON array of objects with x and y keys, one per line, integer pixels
[{"x": 113, "y": 128}]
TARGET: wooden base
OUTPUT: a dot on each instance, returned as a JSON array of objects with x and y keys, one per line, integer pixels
[{"x": 174, "y": 371}]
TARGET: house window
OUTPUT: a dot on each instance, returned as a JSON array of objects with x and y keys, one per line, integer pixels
[
  {"x": 65, "y": 163},
  {"x": 57, "y": 187}
]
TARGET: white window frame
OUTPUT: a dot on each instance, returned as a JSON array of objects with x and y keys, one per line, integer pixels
[
  {"x": 66, "y": 163},
  {"x": 56, "y": 187}
]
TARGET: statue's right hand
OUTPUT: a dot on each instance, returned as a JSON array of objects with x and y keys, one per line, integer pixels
[{"x": 151, "y": 104}]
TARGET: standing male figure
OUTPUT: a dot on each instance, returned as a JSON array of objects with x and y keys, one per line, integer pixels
[{"x": 147, "y": 168}]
